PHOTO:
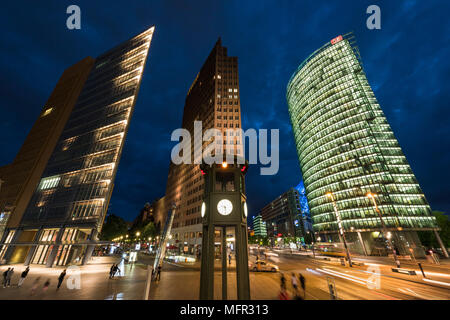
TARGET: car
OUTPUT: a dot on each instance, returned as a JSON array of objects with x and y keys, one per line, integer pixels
[{"x": 264, "y": 266}]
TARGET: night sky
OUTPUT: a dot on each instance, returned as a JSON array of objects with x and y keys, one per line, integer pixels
[{"x": 407, "y": 63}]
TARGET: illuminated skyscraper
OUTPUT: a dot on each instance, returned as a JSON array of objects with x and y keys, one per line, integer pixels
[
  {"x": 69, "y": 204},
  {"x": 346, "y": 148},
  {"x": 213, "y": 99},
  {"x": 259, "y": 226}
]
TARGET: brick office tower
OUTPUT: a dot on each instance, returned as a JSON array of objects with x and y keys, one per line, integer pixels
[
  {"x": 69, "y": 202},
  {"x": 213, "y": 99}
]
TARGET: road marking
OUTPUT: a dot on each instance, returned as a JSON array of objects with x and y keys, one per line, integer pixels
[{"x": 437, "y": 282}]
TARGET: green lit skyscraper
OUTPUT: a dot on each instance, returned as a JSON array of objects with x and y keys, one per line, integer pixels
[{"x": 347, "y": 149}]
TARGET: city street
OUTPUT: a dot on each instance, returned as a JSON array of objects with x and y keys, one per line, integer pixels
[{"x": 180, "y": 281}]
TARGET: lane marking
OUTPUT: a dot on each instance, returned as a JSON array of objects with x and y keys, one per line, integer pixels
[{"x": 437, "y": 282}]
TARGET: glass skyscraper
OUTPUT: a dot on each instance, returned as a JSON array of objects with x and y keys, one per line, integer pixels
[
  {"x": 68, "y": 207},
  {"x": 347, "y": 150}
]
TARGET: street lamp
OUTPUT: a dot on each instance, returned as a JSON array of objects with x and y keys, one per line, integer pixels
[
  {"x": 341, "y": 229},
  {"x": 386, "y": 234}
]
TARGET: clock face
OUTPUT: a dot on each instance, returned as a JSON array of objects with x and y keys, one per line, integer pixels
[
  {"x": 224, "y": 207},
  {"x": 203, "y": 209},
  {"x": 245, "y": 209}
]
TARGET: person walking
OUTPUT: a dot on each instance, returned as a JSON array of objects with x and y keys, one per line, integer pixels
[
  {"x": 302, "y": 284},
  {"x": 23, "y": 276},
  {"x": 9, "y": 276},
  {"x": 116, "y": 268},
  {"x": 282, "y": 281},
  {"x": 229, "y": 258},
  {"x": 294, "y": 282},
  {"x": 61, "y": 279},
  {"x": 158, "y": 273},
  {"x": 111, "y": 271},
  {"x": 46, "y": 285},
  {"x": 35, "y": 285},
  {"x": 283, "y": 295},
  {"x": 5, "y": 276}
]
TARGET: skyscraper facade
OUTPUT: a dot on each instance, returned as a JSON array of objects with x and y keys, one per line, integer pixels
[
  {"x": 259, "y": 226},
  {"x": 284, "y": 217},
  {"x": 213, "y": 99},
  {"x": 347, "y": 150},
  {"x": 304, "y": 207},
  {"x": 21, "y": 177},
  {"x": 69, "y": 204}
]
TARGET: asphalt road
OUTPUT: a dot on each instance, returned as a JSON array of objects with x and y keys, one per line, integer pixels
[{"x": 372, "y": 282}]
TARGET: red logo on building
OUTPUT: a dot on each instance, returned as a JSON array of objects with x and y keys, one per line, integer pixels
[{"x": 336, "y": 40}]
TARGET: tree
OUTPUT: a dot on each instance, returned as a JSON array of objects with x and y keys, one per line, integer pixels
[
  {"x": 113, "y": 227},
  {"x": 428, "y": 238},
  {"x": 149, "y": 230}
]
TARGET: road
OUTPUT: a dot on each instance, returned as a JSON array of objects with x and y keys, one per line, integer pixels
[
  {"x": 180, "y": 281},
  {"x": 369, "y": 282}
]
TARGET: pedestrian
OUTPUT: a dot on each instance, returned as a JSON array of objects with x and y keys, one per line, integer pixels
[
  {"x": 302, "y": 283},
  {"x": 283, "y": 294},
  {"x": 46, "y": 285},
  {"x": 61, "y": 279},
  {"x": 35, "y": 285},
  {"x": 5, "y": 276},
  {"x": 116, "y": 268},
  {"x": 9, "y": 276},
  {"x": 294, "y": 282},
  {"x": 229, "y": 258},
  {"x": 23, "y": 276},
  {"x": 111, "y": 271},
  {"x": 282, "y": 281},
  {"x": 158, "y": 273}
]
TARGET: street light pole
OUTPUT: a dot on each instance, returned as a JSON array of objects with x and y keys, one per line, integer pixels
[
  {"x": 372, "y": 196},
  {"x": 341, "y": 228}
]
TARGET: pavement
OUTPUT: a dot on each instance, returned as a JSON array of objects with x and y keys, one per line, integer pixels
[{"x": 180, "y": 281}]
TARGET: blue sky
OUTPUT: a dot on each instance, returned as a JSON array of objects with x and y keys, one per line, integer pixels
[{"x": 407, "y": 64}]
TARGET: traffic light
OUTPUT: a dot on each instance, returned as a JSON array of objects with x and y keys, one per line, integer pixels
[{"x": 203, "y": 169}]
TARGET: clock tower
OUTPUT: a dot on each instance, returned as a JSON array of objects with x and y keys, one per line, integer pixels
[{"x": 224, "y": 211}]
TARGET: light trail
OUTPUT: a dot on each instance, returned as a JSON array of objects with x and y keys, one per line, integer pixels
[
  {"x": 437, "y": 282},
  {"x": 340, "y": 275}
]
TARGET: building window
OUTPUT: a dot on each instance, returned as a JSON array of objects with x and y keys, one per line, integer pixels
[{"x": 47, "y": 111}]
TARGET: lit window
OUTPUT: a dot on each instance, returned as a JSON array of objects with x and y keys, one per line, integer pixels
[
  {"x": 47, "y": 111},
  {"x": 49, "y": 182}
]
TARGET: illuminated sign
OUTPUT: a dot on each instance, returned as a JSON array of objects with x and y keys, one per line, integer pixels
[
  {"x": 133, "y": 256},
  {"x": 336, "y": 40}
]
